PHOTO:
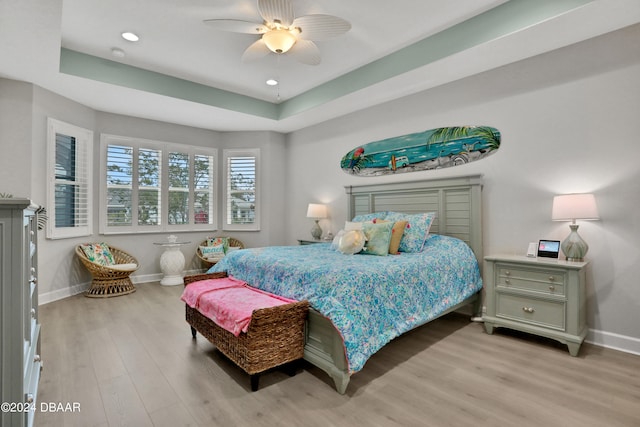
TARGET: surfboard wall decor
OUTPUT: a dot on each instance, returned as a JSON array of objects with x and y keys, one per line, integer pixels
[{"x": 431, "y": 149}]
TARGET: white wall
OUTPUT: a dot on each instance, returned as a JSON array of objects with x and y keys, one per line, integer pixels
[{"x": 569, "y": 124}]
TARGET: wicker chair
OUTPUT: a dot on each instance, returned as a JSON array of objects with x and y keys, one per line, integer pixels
[
  {"x": 208, "y": 264},
  {"x": 107, "y": 280}
]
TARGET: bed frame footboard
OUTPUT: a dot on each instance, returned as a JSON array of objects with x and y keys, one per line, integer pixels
[{"x": 324, "y": 347}]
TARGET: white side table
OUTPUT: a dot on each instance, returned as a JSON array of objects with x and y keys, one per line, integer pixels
[{"x": 172, "y": 263}]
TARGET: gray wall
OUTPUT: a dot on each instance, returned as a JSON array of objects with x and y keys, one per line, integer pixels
[
  {"x": 569, "y": 124},
  {"x": 568, "y": 121},
  {"x": 24, "y": 110}
]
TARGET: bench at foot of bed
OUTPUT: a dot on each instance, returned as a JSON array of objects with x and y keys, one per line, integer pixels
[{"x": 275, "y": 336}]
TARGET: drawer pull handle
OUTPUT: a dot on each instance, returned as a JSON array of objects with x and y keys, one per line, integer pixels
[
  {"x": 36, "y": 358},
  {"x": 507, "y": 273},
  {"x": 507, "y": 281},
  {"x": 528, "y": 309},
  {"x": 552, "y": 288},
  {"x": 551, "y": 278}
]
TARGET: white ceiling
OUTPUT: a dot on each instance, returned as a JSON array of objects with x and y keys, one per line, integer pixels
[{"x": 178, "y": 45}]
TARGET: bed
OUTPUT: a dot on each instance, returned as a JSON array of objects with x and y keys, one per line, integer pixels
[{"x": 392, "y": 294}]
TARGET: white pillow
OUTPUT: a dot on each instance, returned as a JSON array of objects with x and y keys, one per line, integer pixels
[
  {"x": 212, "y": 251},
  {"x": 351, "y": 242},
  {"x": 336, "y": 240},
  {"x": 348, "y": 226}
]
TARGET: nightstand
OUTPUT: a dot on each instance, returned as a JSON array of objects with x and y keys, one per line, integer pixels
[
  {"x": 311, "y": 241},
  {"x": 541, "y": 296}
]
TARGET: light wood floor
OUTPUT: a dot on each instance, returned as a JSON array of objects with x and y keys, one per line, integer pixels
[{"x": 131, "y": 361}]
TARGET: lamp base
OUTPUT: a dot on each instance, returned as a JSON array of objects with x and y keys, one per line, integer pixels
[
  {"x": 316, "y": 231},
  {"x": 573, "y": 247}
]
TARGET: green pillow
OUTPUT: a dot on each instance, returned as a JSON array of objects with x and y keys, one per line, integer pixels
[{"x": 378, "y": 238}]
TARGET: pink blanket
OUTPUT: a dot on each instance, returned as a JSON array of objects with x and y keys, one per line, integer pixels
[{"x": 229, "y": 302}]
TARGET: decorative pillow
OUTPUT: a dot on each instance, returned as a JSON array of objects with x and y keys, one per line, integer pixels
[
  {"x": 98, "y": 253},
  {"x": 416, "y": 230},
  {"x": 215, "y": 252},
  {"x": 378, "y": 238},
  {"x": 369, "y": 217},
  {"x": 396, "y": 234},
  {"x": 335, "y": 244},
  {"x": 218, "y": 241},
  {"x": 352, "y": 225},
  {"x": 351, "y": 242}
]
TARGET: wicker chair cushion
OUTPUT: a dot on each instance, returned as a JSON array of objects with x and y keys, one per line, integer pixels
[
  {"x": 98, "y": 253},
  {"x": 124, "y": 267}
]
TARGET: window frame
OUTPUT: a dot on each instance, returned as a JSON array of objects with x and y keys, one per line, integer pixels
[
  {"x": 164, "y": 148},
  {"x": 226, "y": 155},
  {"x": 83, "y": 161}
]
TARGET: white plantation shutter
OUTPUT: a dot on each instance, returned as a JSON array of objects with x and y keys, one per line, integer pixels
[
  {"x": 119, "y": 185},
  {"x": 154, "y": 186},
  {"x": 149, "y": 187},
  {"x": 69, "y": 199},
  {"x": 241, "y": 195},
  {"x": 204, "y": 189}
]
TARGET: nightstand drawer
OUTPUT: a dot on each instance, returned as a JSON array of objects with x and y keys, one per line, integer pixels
[
  {"x": 548, "y": 282},
  {"x": 550, "y": 314}
]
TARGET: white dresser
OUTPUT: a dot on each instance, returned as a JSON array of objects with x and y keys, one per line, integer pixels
[
  {"x": 541, "y": 296},
  {"x": 19, "y": 325}
]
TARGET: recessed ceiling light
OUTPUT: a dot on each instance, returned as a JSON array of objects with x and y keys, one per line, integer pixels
[
  {"x": 117, "y": 52},
  {"x": 132, "y": 37},
  {"x": 272, "y": 82}
]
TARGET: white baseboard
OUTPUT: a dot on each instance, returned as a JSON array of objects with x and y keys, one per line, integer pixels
[
  {"x": 614, "y": 341},
  {"x": 56, "y": 295},
  {"x": 70, "y": 291}
]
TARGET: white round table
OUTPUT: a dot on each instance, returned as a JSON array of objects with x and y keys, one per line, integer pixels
[{"x": 172, "y": 263}]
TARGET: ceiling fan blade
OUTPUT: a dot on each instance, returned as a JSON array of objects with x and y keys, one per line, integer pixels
[
  {"x": 237, "y": 26},
  {"x": 321, "y": 27},
  {"x": 305, "y": 51},
  {"x": 257, "y": 50},
  {"x": 276, "y": 10}
]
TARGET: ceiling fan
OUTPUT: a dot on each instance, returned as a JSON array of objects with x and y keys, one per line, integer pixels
[{"x": 281, "y": 32}]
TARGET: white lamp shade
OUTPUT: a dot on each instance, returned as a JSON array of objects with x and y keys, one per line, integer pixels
[
  {"x": 316, "y": 211},
  {"x": 569, "y": 207}
]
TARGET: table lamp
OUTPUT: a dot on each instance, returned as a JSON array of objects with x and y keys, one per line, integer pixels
[
  {"x": 317, "y": 212},
  {"x": 570, "y": 207}
]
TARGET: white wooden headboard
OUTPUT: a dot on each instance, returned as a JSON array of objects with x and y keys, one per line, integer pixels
[{"x": 457, "y": 202}]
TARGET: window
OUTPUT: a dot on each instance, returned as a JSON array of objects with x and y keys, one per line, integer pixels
[
  {"x": 241, "y": 197},
  {"x": 69, "y": 190},
  {"x": 156, "y": 186}
]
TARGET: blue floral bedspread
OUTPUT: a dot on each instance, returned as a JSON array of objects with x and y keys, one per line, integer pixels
[{"x": 370, "y": 299}]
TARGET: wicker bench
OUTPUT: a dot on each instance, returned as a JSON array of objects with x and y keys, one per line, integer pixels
[{"x": 275, "y": 335}]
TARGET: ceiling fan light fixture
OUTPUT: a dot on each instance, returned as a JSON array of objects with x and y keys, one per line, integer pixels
[{"x": 279, "y": 40}]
